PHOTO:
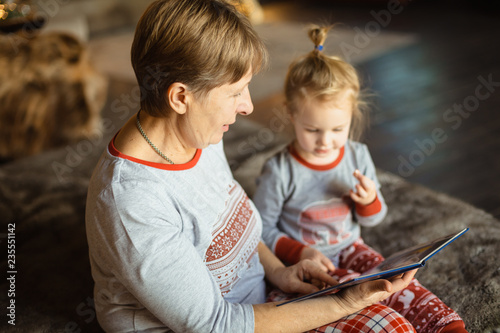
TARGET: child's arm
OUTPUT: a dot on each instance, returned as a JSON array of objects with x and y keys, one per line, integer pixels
[
  {"x": 292, "y": 279},
  {"x": 292, "y": 251},
  {"x": 318, "y": 257},
  {"x": 370, "y": 205}
]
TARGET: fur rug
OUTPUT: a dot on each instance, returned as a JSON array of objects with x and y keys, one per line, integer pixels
[{"x": 44, "y": 196}]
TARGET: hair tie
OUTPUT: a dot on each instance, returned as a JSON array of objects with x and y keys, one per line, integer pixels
[{"x": 319, "y": 47}]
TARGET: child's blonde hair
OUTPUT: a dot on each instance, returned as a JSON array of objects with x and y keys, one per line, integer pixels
[{"x": 319, "y": 76}]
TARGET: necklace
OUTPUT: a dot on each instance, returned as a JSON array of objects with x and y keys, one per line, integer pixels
[{"x": 149, "y": 141}]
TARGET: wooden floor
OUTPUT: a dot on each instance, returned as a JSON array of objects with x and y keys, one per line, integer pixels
[{"x": 436, "y": 116}]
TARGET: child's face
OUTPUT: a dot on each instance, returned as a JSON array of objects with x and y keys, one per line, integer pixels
[{"x": 321, "y": 129}]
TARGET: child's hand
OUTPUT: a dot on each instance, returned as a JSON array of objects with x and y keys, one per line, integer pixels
[
  {"x": 365, "y": 191},
  {"x": 318, "y": 257}
]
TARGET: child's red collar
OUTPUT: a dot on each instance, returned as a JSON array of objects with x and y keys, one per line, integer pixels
[{"x": 324, "y": 167}]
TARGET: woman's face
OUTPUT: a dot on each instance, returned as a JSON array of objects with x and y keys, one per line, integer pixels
[
  {"x": 209, "y": 118},
  {"x": 321, "y": 129}
]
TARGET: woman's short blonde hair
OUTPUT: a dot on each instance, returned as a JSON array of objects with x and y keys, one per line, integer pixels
[
  {"x": 201, "y": 43},
  {"x": 326, "y": 78}
]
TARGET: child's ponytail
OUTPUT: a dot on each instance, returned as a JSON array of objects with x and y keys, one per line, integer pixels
[{"x": 318, "y": 36}]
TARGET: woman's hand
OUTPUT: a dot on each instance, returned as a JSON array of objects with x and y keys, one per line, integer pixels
[
  {"x": 366, "y": 191},
  {"x": 354, "y": 298},
  {"x": 303, "y": 278},
  {"x": 318, "y": 257}
]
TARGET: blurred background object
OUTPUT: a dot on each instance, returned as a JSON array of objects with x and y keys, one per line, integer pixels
[
  {"x": 15, "y": 15},
  {"x": 50, "y": 95},
  {"x": 251, "y": 9}
]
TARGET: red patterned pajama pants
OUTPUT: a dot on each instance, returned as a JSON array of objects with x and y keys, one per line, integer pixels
[
  {"x": 413, "y": 308},
  {"x": 424, "y": 310}
]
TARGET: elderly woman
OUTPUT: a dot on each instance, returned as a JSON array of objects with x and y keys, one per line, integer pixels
[{"x": 174, "y": 240}]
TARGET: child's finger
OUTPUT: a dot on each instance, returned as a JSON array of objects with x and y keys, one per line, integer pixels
[
  {"x": 354, "y": 196},
  {"x": 361, "y": 191},
  {"x": 366, "y": 182},
  {"x": 360, "y": 177},
  {"x": 328, "y": 265}
]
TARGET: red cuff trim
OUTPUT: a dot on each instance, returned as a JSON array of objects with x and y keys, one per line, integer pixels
[
  {"x": 370, "y": 209},
  {"x": 289, "y": 250}
]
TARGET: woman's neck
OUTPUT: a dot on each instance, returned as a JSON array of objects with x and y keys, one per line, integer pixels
[{"x": 161, "y": 132}]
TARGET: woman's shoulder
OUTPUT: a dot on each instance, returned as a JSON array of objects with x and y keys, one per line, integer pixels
[{"x": 114, "y": 174}]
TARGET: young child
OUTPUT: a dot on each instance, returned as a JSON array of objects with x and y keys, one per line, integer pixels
[{"x": 316, "y": 194}]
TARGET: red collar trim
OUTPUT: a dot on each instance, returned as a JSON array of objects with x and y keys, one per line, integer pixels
[
  {"x": 173, "y": 167},
  {"x": 324, "y": 167}
]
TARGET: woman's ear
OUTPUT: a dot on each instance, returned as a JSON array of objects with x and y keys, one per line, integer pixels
[{"x": 178, "y": 96}]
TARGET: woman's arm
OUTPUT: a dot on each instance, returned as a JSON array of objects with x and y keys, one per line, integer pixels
[{"x": 316, "y": 312}]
